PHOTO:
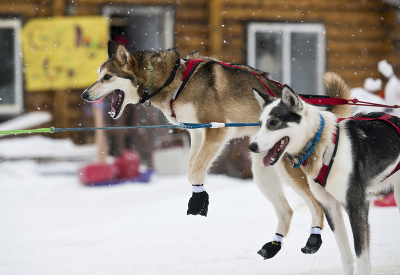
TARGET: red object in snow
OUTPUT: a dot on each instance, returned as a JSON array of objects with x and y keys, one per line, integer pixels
[
  {"x": 124, "y": 167},
  {"x": 98, "y": 172},
  {"x": 388, "y": 200},
  {"x": 128, "y": 164}
]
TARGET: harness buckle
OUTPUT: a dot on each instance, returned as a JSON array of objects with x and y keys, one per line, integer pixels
[{"x": 146, "y": 105}]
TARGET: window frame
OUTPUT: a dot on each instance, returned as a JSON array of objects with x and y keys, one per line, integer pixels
[
  {"x": 286, "y": 29},
  {"x": 15, "y": 108},
  {"x": 167, "y": 11}
]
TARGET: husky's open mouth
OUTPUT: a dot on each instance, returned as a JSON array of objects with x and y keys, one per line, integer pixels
[
  {"x": 116, "y": 103},
  {"x": 275, "y": 152}
]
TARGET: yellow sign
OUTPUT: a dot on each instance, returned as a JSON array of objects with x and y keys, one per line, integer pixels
[{"x": 64, "y": 52}]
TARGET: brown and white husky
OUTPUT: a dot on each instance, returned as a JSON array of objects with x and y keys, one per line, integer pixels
[{"x": 201, "y": 89}]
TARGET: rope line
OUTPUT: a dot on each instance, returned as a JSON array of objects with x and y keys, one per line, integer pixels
[
  {"x": 181, "y": 125},
  {"x": 31, "y": 131}
]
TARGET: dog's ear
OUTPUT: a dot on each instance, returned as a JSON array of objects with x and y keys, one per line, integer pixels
[
  {"x": 112, "y": 49},
  {"x": 122, "y": 54},
  {"x": 291, "y": 99},
  {"x": 262, "y": 98},
  {"x": 125, "y": 60}
]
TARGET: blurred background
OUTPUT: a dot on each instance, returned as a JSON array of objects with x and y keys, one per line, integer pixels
[{"x": 50, "y": 51}]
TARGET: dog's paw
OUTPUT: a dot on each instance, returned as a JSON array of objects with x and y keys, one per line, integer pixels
[
  {"x": 313, "y": 244},
  {"x": 270, "y": 249},
  {"x": 198, "y": 204}
]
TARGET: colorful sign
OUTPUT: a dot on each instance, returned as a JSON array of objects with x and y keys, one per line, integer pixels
[{"x": 63, "y": 52}]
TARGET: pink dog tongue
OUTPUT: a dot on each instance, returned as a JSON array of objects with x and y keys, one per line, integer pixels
[
  {"x": 115, "y": 101},
  {"x": 270, "y": 154}
]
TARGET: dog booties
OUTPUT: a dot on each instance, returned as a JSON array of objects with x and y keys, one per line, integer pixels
[
  {"x": 313, "y": 244},
  {"x": 198, "y": 204},
  {"x": 270, "y": 249}
]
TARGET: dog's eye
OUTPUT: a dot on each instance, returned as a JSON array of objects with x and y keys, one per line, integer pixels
[
  {"x": 107, "y": 77},
  {"x": 273, "y": 122}
]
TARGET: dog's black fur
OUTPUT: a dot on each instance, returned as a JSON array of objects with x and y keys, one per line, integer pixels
[{"x": 375, "y": 151}]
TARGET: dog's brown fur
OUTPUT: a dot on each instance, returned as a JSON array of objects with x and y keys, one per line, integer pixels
[{"x": 214, "y": 93}]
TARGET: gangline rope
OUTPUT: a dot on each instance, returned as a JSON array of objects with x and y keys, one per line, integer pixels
[{"x": 181, "y": 125}]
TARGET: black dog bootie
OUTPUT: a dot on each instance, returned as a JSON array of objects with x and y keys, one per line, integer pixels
[
  {"x": 313, "y": 244},
  {"x": 198, "y": 204},
  {"x": 270, "y": 249}
]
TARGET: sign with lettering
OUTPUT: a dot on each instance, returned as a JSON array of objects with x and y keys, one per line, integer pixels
[{"x": 63, "y": 52}]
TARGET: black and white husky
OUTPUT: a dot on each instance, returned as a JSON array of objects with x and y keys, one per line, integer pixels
[{"x": 344, "y": 160}]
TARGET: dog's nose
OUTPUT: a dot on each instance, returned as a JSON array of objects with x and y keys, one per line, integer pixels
[
  {"x": 85, "y": 95},
  {"x": 253, "y": 147}
]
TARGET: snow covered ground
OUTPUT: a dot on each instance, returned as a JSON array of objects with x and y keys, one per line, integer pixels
[{"x": 51, "y": 224}]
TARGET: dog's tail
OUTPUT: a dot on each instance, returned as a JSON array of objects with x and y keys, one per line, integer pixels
[{"x": 335, "y": 86}]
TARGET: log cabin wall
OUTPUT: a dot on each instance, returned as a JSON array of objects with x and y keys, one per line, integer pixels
[{"x": 359, "y": 34}]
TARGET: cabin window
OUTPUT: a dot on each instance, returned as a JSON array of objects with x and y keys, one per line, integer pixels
[
  {"x": 293, "y": 54},
  {"x": 11, "y": 102},
  {"x": 142, "y": 27}
]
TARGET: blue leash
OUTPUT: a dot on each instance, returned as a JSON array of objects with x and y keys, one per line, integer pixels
[
  {"x": 214, "y": 125},
  {"x": 181, "y": 125}
]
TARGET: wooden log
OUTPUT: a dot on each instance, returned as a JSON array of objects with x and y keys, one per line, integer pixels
[
  {"x": 215, "y": 28},
  {"x": 100, "y": 135}
]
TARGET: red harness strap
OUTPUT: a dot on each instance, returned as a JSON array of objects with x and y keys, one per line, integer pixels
[
  {"x": 191, "y": 66},
  {"x": 324, "y": 172},
  {"x": 325, "y": 169},
  {"x": 258, "y": 76},
  {"x": 386, "y": 118},
  {"x": 329, "y": 101}
]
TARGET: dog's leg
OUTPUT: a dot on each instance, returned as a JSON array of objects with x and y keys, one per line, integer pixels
[
  {"x": 357, "y": 210},
  {"x": 334, "y": 216},
  {"x": 297, "y": 180},
  {"x": 196, "y": 138},
  {"x": 211, "y": 145},
  {"x": 270, "y": 185}
]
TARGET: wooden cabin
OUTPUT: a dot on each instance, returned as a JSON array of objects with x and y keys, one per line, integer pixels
[{"x": 296, "y": 41}]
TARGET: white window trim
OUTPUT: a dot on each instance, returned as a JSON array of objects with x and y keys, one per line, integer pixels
[
  {"x": 286, "y": 29},
  {"x": 156, "y": 10},
  {"x": 17, "y": 107}
]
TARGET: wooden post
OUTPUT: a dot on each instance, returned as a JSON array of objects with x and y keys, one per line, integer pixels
[
  {"x": 215, "y": 29},
  {"x": 100, "y": 135},
  {"x": 60, "y": 96},
  {"x": 61, "y": 111},
  {"x": 59, "y": 7}
]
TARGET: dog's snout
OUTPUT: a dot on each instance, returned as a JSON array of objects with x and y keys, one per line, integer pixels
[
  {"x": 85, "y": 95},
  {"x": 253, "y": 147}
]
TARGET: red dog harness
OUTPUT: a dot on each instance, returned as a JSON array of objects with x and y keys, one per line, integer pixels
[
  {"x": 191, "y": 66},
  {"x": 325, "y": 169}
]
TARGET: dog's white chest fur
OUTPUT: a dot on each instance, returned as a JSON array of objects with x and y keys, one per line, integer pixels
[{"x": 341, "y": 168}]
